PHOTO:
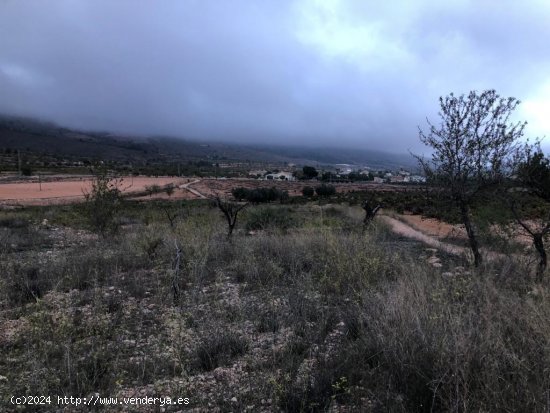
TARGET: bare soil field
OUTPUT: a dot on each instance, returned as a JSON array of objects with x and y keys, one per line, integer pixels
[
  {"x": 69, "y": 190},
  {"x": 223, "y": 187}
]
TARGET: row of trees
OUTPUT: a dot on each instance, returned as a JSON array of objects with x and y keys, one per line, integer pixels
[
  {"x": 264, "y": 195},
  {"x": 478, "y": 151},
  {"x": 321, "y": 190},
  {"x": 259, "y": 195},
  {"x": 309, "y": 172}
]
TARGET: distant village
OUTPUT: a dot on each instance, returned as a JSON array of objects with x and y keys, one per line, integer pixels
[{"x": 338, "y": 173}]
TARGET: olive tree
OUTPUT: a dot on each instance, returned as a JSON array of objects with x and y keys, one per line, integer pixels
[{"x": 471, "y": 148}]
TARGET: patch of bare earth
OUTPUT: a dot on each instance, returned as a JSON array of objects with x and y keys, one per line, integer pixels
[
  {"x": 63, "y": 191},
  {"x": 211, "y": 187}
]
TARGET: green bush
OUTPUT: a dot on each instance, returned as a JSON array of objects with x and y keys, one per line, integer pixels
[
  {"x": 103, "y": 202},
  {"x": 260, "y": 195},
  {"x": 325, "y": 190},
  {"x": 308, "y": 191}
]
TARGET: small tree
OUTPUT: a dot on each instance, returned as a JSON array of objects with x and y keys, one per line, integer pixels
[
  {"x": 152, "y": 189},
  {"x": 309, "y": 172},
  {"x": 325, "y": 190},
  {"x": 169, "y": 189},
  {"x": 26, "y": 170},
  {"x": 283, "y": 196},
  {"x": 103, "y": 201},
  {"x": 471, "y": 147},
  {"x": 240, "y": 193},
  {"x": 370, "y": 212},
  {"x": 308, "y": 191},
  {"x": 230, "y": 210},
  {"x": 532, "y": 173}
]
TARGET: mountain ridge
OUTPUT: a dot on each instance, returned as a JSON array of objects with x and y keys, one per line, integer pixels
[{"x": 38, "y": 136}]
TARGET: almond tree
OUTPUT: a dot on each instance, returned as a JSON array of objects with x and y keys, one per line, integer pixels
[
  {"x": 230, "y": 210},
  {"x": 532, "y": 177},
  {"x": 471, "y": 147}
]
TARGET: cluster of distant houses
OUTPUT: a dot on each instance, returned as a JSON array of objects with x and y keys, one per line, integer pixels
[
  {"x": 402, "y": 176},
  {"x": 273, "y": 176}
]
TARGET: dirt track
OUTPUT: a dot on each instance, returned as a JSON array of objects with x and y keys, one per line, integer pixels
[
  {"x": 406, "y": 230},
  {"x": 436, "y": 240}
]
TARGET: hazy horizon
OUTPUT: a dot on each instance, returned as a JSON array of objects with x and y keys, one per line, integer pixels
[{"x": 354, "y": 74}]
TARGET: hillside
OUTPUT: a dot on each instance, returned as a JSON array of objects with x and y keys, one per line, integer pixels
[{"x": 45, "y": 140}]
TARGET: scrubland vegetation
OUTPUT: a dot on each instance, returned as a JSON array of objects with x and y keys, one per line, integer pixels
[
  {"x": 301, "y": 310},
  {"x": 267, "y": 302}
]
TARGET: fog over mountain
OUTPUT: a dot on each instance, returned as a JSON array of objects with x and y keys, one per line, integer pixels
[{"x": 355, "y": 73}]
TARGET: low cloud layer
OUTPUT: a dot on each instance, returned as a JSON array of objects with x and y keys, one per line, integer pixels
[{"x": 334, "y": 73}]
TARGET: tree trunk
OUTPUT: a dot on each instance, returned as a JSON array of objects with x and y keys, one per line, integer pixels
[
  {"x": 370, "y": 213},
  {"x": 465, "y": 212},
  {"x": 231, "y": 225},
  {"x": 539, "y": 245}
]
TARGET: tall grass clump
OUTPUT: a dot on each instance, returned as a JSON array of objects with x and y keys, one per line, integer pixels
[
  {"x": 270, "y": 218},
  {"x": 423, "y": 343}
]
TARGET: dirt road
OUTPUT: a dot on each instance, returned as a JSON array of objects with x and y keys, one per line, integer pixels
[
  {"x": 187, "y": 186},
  {"x": 405, "y": 230}
]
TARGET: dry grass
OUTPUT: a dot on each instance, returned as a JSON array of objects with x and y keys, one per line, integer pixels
[{"x": 318, "y": 316}]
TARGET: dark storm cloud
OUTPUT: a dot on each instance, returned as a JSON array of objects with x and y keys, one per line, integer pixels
[{"x": 355, "y": 73}]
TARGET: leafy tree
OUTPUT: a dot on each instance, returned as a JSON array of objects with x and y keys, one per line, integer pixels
[
  {"x": 26, "y": 170},
  {"x": 328, "y": 176},
  {"x": 283, "y": 196},
  {"x": 240, "y": 193},
  {"x": 325, "y": 190},
  {"x": 259, "y": 195},
  {"x": 471, "y": 148},
  {"x": 309, "y": 172},
  {"x": 308, "y": 191}
]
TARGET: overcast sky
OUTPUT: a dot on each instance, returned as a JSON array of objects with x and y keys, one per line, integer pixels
[{"x": 354, "y": 73}]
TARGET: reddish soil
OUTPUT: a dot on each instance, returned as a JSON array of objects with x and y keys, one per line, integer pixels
[
  {"x": 223, "y": 187},
  {"x": 71, "y": 190},
  {"x": 444, "y": 231},
  {"x": 406, "y": 230},
  {"x": 64, "y": 189},
  {"x": 434, "y": 227}
]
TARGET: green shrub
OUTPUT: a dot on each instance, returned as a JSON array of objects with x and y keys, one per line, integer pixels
[
  {"x": 260, "y": 195},
  {"x": 169, "y": 189},
  {"x": 325, "y": 190},
  {"x": 103, "y": 202},
  {"x": 308, "y": 191}
]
